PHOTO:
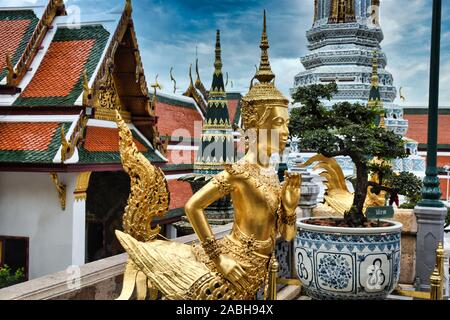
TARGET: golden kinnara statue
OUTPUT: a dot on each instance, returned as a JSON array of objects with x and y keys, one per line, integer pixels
[{"x": 234, "y": 267}]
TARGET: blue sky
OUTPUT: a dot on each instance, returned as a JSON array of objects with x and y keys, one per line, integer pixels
[{"x": 169, "y": 31}]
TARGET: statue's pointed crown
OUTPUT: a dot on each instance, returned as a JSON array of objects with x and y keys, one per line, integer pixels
[{"x": 262, "y": 95}]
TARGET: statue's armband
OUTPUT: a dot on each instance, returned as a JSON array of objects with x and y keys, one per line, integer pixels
[{"x": 222, "y": 183}]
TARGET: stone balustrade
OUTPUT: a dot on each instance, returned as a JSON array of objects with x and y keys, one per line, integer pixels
[
  {"x": 102, "y": 279},
  {"x": 99, "y": 280}
]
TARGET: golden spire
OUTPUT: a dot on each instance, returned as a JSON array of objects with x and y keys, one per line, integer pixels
[
  {"x": 218, "y": 61},
  {"x": 375, "y": 78},
  {"x": 264, "y": 74},
  {"x": 374, "y": 93}
]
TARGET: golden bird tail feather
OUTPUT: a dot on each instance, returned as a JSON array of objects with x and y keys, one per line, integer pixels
[
  {"x": 337, "y": 196},
  {"x": 333, "y": 172},
  {"x": 169, "y": 266},
  {"x": 149, "y": 196}
]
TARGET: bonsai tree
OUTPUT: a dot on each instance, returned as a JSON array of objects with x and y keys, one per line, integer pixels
[{"x": 348, "y": 129}]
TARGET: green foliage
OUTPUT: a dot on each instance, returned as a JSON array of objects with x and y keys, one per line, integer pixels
[
  {"x": 345, "y": 129},
  {"x": 9, "y": 278},
  {"x": 406, "y": 184},
  {"x": 348, "y": 129}
]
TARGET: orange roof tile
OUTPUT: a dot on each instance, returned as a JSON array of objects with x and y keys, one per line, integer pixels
[
  {"x": 99, "y": 139},
  {"x": 60, "y": 69},
  {"x": 34, "y": 136},
  {"x": 10, "y": 38}
]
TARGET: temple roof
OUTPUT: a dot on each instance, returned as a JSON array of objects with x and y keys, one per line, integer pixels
[
  {"x": 30, "y": 142},
  {"x": 59, "y": 78},
  {"x": 101, "y": 145},
  {"x": 16, "y": 27},
  {"x": 38, "y": 141},
  {"x": 62, "y": 78}
]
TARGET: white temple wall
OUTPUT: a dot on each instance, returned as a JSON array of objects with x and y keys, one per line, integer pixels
[{"x": 30, "y": 207}]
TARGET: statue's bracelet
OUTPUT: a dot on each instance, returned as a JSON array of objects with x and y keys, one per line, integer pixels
[
  {"x": 289, "y": 220},
  {"x": 212, "y": 248}
]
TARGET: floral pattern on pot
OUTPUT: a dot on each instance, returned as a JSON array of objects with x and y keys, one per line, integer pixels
[
  {"x": 334, "y": 271},
  {"x": 342, "y": 264}
]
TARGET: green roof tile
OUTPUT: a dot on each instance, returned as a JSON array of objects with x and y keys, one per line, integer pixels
[
  {"x": 9, "y": 15},
  {"x": 30, "y": 156},
  {"x": 100, "y": 35},
  {"x": 95, "y": 157}
]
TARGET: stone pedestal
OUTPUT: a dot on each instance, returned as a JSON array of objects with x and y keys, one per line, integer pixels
[
  {"x": 430, "y": 232},
  {"x": 408, "y": 245},
  {"x": 308, "y": 196}
]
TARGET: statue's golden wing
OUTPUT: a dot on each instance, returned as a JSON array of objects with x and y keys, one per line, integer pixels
[
  {"x": 149, "y": 196},
  {"x": 337, "y": 196}
]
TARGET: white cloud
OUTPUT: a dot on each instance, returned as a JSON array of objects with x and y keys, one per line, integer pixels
[{"x": 18, "y": 3}]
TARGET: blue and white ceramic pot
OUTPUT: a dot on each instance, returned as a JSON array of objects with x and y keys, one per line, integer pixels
[{"x": 348, "y": 263}]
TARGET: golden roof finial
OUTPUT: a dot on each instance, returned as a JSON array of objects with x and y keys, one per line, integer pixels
[
  {"x": 151, "y": 107},
  {"x": 10, "y": 68},
  {"x": 87, "y": 91},
  {"x": 128, "y": 7},
  {"x": 197, "y": 81},
  {"x": 264, "y": 74},
  {"x": 190, "y": 75},
  {"x": 156, "y": 85}
]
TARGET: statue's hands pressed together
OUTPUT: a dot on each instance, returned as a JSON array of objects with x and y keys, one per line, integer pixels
[
  {"x": 290, "y": 193},
  {"x": 232, "y": 271}
]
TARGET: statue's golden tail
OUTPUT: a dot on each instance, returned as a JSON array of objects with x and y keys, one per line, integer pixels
[
  {"x": 337, "y": 195},
  {"x": 149, "y": 198},
  {"x": 170, "y": 266}
]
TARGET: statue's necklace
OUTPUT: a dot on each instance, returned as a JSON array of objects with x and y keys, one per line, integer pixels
[{"x": 265, "y": 179}]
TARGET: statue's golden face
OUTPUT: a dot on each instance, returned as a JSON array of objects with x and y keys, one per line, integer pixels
[{"x": 277, "y": 126}]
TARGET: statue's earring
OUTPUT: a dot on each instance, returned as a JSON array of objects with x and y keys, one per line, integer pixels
[{"x": 248, "y": 138}]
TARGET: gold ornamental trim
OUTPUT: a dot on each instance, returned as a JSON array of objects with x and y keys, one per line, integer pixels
[
  {"x": 82, "y": 185},
  {"x": 15, "y": 75},
  {"x": 60, "y": 188},
  {"x": 68, "y": 147},
  {"x": 110, "y": 115}
]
